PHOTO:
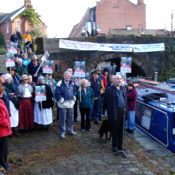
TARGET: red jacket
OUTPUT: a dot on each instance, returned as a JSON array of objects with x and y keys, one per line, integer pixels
[{"x": 5, "y": 127}]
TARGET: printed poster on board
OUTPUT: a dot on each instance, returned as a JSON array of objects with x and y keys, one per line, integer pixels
[
  {"x": 10, "y": 62},
  {"x": 40, "y": 93},
  {"x": 125, "y": 65},
  {"x": 79, "y": 69},
  {"x": 48, "y": 66}
]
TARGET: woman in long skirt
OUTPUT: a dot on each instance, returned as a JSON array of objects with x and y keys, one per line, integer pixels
[{"x": 43, "y": 109}]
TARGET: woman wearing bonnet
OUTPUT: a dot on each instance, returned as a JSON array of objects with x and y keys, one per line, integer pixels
[{"x": 26, "y": 105}]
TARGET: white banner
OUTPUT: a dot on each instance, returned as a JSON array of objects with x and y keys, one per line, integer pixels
[{"x": 88, "y": 46}]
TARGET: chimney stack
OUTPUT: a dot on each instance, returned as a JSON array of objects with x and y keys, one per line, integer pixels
[
  {"x": 27, "y": 3},
  {"x": 140, "y": 2}
]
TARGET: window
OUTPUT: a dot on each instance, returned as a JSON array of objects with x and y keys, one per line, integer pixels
[
  {"x": 146, "y": 118},
  {"x": 18, "y": 26},
  {"x": 7, "y": 27}
]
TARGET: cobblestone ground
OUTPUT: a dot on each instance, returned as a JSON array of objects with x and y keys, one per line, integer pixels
[{"x": 44, "y": 153}]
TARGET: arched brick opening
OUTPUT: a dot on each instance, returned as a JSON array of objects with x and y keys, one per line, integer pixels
[{"x": 139, "y": 64}]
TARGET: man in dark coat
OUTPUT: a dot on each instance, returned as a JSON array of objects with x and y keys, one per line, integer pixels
[
  {"x": 35, "y": 69},
  {"x": 114, "y": 101}
]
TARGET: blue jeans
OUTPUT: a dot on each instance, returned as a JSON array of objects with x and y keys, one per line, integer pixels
[
  {"x": 65, "y": 115},
  {"x": 96, "y": 109},
  {"x": 130, "y": 123}
]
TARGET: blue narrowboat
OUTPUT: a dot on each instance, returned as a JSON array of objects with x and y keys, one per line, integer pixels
[{"x": 156, "y": 116}]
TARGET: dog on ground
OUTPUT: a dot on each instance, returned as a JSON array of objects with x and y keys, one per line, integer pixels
[{"x": 105, "y": 130}]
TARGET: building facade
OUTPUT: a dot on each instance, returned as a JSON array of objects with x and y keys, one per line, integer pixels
[
  {"x": 10, "y": 22},
  {"x": 112, "y": 14}
]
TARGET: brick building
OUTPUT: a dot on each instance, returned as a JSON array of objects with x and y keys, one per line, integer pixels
[
  {"x": 9, "y": 22},
  {"x": 112, "y": 14}
]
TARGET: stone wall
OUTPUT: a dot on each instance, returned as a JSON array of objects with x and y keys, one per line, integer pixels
[{"x": 2, "y": 63}]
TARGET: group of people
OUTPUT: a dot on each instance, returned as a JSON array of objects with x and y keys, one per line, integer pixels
[
  {"x": 23, "y": 112},
  {"x": 95, "y": 95},
  {"x": 27, "y": 39}
]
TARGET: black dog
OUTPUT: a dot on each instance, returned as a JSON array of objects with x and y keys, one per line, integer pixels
[{"x": 105, "y": 129}]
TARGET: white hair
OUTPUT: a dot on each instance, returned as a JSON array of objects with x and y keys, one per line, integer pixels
[{"x": 66, "y": 73}]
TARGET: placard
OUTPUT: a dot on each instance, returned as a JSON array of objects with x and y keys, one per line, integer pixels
[
  {"x": 79, "y": 69},
  {"x": 125, "y": 65},
  {"x": 10, "y": 63},
  {"x": 48, "y": 66},
  {"x": 40, "y": 93}
]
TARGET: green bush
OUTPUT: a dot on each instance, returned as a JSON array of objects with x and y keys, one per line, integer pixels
[
  {"x": 2, "y": 42},
  {"x": 3, "y": 51}
]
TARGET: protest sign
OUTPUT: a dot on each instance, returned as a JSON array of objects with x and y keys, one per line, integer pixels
[
  {"x": 40, "y": 93},
  {"x": 79, "y": 69},
  {"x": 125, "y": 65},
  {"x": 48, "y": 66}
]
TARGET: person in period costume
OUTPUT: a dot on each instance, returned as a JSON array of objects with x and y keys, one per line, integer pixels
[
  {"x": 34, "y": 68},
  {"x": 43, "y": 109},
  {"x": 11, "y": 91},
  {"x": 26, "y": 104},
  {"x": 5, "y": 129},
  {"x": 51, "y": 82},
  {"x": 114, "y": 101},
  {"x": 65, "y": 94},
  {"x": 31, "y": 82},
  {"x": 86, "y": 98},
  {"x": 131, "y": 107}
]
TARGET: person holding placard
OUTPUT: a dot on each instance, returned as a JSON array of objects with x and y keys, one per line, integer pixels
[
  {"x": 34, "y": 68},
  {"x": 86, "y": 98},
  {"x": 43, "y": 107},
  {"x": 26, "y": 105},
  {"x": 51, "y": 82}
]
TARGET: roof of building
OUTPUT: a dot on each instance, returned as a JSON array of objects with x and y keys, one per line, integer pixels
[{"x": 10, "y": 16}]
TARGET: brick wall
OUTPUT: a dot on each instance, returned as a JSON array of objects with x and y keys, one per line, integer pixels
[{"x": 117, "y": 14}]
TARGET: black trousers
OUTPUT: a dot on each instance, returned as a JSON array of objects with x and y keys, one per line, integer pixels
[
  {"x": 85, "y": 122},
  {"x": 117, "y": 129},
  {"x": 3, "y": 151},
  {"x": 75, "y": 111}
]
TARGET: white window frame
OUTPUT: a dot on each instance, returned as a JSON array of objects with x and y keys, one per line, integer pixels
[{"x": 7, "y": 27}]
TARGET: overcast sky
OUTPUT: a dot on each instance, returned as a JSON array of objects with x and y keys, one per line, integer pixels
[{"x": 61, "y": 15}]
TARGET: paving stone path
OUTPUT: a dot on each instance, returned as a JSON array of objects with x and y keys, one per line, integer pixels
[{"x": 44, "y": 153}]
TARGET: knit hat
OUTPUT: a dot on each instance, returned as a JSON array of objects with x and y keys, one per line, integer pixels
[
  {"x": 39, "y": 78},
  {"x": 7, "y": 76}
]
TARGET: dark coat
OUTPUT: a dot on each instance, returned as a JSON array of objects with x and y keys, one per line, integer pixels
[
  {"x": 6, "y": 101},
  {"x": 96, "y": 87},
  {"x": 111, "y": 101},
  {"x": 16, "y": 80},
  {"x": 49, "y": 97},
  {"x": 87, "y": 99},
  {"x": 131, "y": 100},
  {"x": 33, "y": 69},
  {"x": 21, "y": 70},
  {"x": 11, "y": 88}
]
